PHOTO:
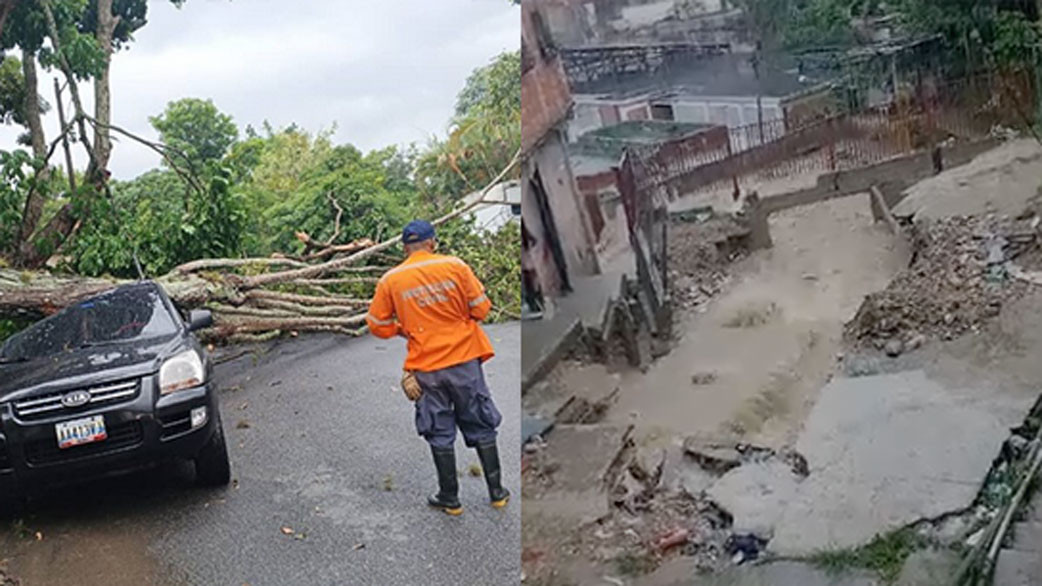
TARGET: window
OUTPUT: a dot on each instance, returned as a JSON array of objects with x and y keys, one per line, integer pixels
[
  {"x": 515, "y": 210},
  {"x": 662, "y": 112}
]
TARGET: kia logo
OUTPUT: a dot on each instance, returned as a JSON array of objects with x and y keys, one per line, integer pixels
[{"x": 76, "y": 399}]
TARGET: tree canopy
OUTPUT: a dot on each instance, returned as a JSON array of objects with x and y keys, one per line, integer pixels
[{"x": 196, "y": 128}]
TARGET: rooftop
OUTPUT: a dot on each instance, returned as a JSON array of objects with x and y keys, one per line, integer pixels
[
  {"x": 609, "y": 142},
  {"x": 711, "y": 75}
]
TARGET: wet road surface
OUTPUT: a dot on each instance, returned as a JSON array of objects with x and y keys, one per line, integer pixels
[{"x": 322, "y": 442}]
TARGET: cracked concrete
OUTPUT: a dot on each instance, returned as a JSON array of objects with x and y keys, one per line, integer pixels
[{"x": 883, "y": 452}]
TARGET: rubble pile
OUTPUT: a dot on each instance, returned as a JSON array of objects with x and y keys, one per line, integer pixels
[
  {"x": 961, "y": 273},
  {"x": 699, "y": 252},
  {"x": 672, "y": 524}
]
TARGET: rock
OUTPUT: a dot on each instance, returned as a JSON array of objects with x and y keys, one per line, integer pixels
[
  {"x": 748, "y": 545},
  {"x": 915, "y": 341},
  {"x": 893, "y": 348},
  {"x": 711, "y": 456},
  {"x": 703, "y": 378},
  {"x": 1017, "y": 445}
]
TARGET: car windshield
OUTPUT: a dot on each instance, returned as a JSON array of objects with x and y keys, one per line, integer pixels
[{"x": 121, "y": 315}]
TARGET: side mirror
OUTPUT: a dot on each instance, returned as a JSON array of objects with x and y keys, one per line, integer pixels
[{"x": 199, "y": 319}]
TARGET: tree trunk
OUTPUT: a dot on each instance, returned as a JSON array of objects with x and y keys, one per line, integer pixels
[
  {"x": 34, "y": 254},
  {"x": 102, "y": 95},
  {"x": 34, "y": 202}
]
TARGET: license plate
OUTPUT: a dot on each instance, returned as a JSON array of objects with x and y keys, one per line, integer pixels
[{"x": 80, "y": 431}]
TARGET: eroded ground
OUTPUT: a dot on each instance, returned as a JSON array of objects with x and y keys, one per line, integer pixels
[{"x": 780, "y": 424}]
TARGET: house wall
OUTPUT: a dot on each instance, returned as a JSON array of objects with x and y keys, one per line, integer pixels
[
  {"x": 570, "y": 214},
  {"x": 579, "y": 22},
  {"x": 545, "y": 95},
  {"x": 602, "y": 189},
  {"x": 589, "y": 113},
  {"x": 736, "y": 113}
]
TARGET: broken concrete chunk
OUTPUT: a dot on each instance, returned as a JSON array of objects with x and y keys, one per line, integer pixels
[
  {"x": 714, "y": 457},
  {"x": 893, "y": 348},
  {"x": 703, "y": 378}
]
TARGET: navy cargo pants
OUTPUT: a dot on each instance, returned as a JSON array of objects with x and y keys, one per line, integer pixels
[{"x": 456, "y": 396}]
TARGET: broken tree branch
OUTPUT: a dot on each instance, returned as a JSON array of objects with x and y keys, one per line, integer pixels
[
  {"x": 219, "y": 263},
  {"x": 339, "y": 213}
]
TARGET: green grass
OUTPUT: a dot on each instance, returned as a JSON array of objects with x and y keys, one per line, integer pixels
[{"x": 884, "y": 555}]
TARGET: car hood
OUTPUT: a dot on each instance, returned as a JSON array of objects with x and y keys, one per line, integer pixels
[{"x": 86, "y": 366}]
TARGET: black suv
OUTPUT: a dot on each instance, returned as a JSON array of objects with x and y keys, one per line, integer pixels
[{"x": 110, "y": 384}]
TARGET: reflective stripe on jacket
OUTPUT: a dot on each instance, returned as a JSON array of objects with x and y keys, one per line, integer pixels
[{"x": 437, "y": 302}]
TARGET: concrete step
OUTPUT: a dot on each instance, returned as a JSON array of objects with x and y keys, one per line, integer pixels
[
  {"x": 1027, "y": 536},
  {"x": 1018, "y": 568}
]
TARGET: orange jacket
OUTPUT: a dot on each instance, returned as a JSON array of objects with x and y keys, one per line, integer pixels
[{"x": 435, "y": 302}]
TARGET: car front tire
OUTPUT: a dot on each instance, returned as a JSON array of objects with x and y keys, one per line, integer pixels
[{"x": 211, "y": 465}]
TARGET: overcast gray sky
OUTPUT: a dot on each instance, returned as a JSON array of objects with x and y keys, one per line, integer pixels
[{"x": 383, "y": 71}]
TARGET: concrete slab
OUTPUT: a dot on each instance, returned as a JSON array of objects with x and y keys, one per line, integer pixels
[
  {"x": 584, "y": 453},
  {"x": 681, "y": 472},
  {"x": 1027, "y": 536},
  {"x": 756, "y": 494},
  {"x": 929, "y": 567},
  {"x": 883, "y": 451},
  {"x": 682, "y": 572},
  {"x": 1017, "y": 568}
]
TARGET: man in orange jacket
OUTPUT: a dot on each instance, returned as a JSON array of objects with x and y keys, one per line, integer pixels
[{"x": 435, "y": 302}]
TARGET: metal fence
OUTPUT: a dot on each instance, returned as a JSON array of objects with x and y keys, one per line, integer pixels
[{"x": 962, "y": 109}]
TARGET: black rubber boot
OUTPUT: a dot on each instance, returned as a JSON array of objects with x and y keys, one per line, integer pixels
[
  {"x": 447, "y": 498},
  {"x": 489, "y": 456}
]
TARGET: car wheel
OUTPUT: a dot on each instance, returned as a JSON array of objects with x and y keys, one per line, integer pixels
[{"x": 211, "y": 465}]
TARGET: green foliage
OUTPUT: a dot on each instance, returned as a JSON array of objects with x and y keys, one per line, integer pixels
[
  {"x": 374, "y": 201},
  {"x": 885, "y": 555},
  {"x": 196, "y": 128},
  {"x": 16, "y": 169},
  {"x": 168, "y": 223},
  {"x": 11, "y": 326},
  {"x": 483, "y": 136},
  {"x": 975, "y": 33},
  {"x": 494, "y": 89},
  {"x": 819, "y": 22},
  {"x": 12, "y": 91},
  {"x": 1016, "y": 39},
  {"x": 495, "y": 258}
]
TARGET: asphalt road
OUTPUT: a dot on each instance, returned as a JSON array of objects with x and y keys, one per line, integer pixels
[{"x": 322, "y": 443}]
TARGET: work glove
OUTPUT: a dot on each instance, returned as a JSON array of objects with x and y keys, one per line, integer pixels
[{"x": 411, "y": 386}]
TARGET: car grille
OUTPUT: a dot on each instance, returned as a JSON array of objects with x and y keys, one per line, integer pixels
[
  {"x": 51, "y": 404},
  {"x": 120, "y": 436},
  {"x": 175, "y": 424}
]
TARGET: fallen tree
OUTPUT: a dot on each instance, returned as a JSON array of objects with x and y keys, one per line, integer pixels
[{"x": 251, "y": 298}]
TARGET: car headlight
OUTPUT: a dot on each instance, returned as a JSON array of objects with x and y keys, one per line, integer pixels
[{"x": 181, "y": 371}]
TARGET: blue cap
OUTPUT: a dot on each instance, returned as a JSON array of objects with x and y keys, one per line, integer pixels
[{"x": 417, "y": 231}]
